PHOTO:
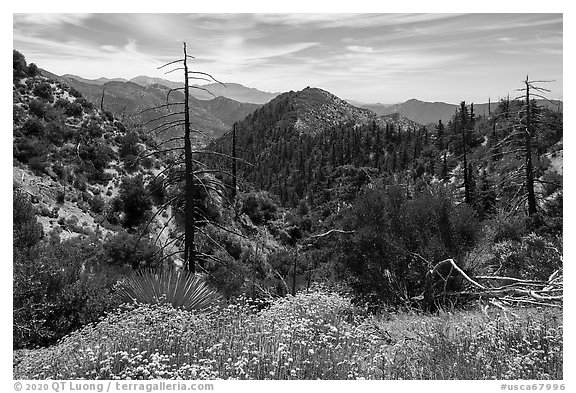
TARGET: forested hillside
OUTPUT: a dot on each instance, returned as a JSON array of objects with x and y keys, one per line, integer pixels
[{"x": 407, "y": 194}]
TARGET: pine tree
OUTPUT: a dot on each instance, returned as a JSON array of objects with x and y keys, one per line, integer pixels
[{"x": 440, "y": 135}]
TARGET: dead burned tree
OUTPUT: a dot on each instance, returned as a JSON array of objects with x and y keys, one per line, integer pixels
[
  {"x": 518, "y": 124},
  {"x": 234, "y": 185},
  {"x": 498, "y": 291},
  {"x": 102, "y": 99},
  {"x": 184, "y": 167},
  {"x": 189, "y": 245},
  {"x": 182, "y": 156},
  {"x": 528, "y": 136}
]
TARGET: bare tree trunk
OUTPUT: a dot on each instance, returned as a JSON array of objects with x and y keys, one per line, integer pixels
[
  {"x": 189, "y": 224},
  {"x": 102, "y": 99},
  {"x": 234, "y": 163},
  {"x": 529, "y": 166},
  {"x": 294, "y": 273},
  {"x": 466, "y": 177}
]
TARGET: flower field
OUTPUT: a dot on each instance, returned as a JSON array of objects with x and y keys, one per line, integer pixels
[{"x": 314, "y": 335}]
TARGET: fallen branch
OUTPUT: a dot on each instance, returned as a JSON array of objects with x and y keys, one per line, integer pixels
[
  {"x": 494, "y": 290},
  {"x": 330, "y": 232},
  {"x": 464, "y": 274}
]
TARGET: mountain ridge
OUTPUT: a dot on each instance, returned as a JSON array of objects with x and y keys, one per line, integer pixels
[
  {"x": 301, "y": 139},
  {"x": 426, "y": 112},
  {"x": 130, "y": 101},
  {"x": 232, "y": 90}
]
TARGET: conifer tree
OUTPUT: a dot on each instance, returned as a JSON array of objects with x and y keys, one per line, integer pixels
[{"x": 440, "y": 135}]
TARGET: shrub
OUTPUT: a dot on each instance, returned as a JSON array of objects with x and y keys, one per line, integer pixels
[
  {"x": 44, "y": 91},
  {"x": 96, "y": 157},
  {"x": 127, "y": 250},
  {"x": 27, "y": 231},
  {"x": 33, "y": 126},
  {"x": 157, "y": 190},
  {"x": 55, "y": 293},
  {"x": 60, "y": 197},
  {"x": 74, "y": 109},
  {"x": 396, "y": 239},
  {"x": 62, "y": 103},
  {"x": 148, "y": 162},
  {"x": 84, "y": 103},
  {"x": 135, "y": 200},
  {"x": 97, "y": 204},
  {"x": 120, "y": 126},
  {"x": 18, "y": 65},
  {"x": 129, "y": 145},
  {"x": 26, "y": 148},
  {"x": 259, "y": 206},
  {"x": 533, "y": 257},
  {"x": 43, "y": 210},
  {"x": 33, "y": 70},
  {"x": 74, "y": 93},
  {"x": 93, "y": 130},
  {"x": 507, "y": 228},
  {"x": 58, "y": 133},
  {"x": 80, "y": 183},
  {"x": 38, "y": 164},
  {"x": 38, "y": 108}
]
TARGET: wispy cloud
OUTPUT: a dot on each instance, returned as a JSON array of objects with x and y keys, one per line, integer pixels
[
  {"x": 360, "y": 49},
  {"x": 49, "y": 20},
  {"x": 348, "y": 20},
  {"x": 367, "y": 57}
]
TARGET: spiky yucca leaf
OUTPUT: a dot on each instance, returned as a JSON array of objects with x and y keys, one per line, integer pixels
[{"x": 177, "y": 287}]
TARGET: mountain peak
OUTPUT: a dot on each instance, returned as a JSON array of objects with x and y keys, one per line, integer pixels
[{"x": 317, "y": 109}]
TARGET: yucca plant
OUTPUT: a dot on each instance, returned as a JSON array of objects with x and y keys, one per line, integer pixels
[{"x": 175, "y": 286}]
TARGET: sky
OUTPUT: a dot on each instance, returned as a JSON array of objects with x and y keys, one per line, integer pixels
[{"x": 385, "y": 58}]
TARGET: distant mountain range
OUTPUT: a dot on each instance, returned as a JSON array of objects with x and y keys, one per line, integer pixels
[
  {"x": 423, "y": 112},
  {"x": 127, "y": 101},
  {"x": 227, "y": 112},
  {"x": 99, "y": 81},
  {"x": 234, "y": 91}
]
